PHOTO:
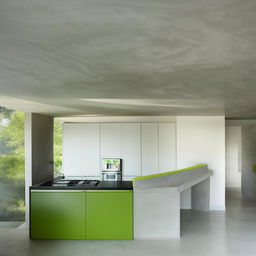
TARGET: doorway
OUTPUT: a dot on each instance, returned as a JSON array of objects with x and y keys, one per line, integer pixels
[{"x": 233, "y": 157}]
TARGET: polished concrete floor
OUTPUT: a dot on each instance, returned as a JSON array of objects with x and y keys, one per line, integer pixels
[{"x": 214, "y": 233}]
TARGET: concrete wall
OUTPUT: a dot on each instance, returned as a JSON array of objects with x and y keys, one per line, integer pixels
[
  {"x": 202, "y": 140},
  {"x": 248, "y": 160},
  {"x": 233, "y": 157},
  {"x": 38, "y": 151}
]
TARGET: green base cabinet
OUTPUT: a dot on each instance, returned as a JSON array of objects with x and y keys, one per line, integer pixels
[
  {"x": 57, "y": 214},
  {"x": 109, "y": 214}
]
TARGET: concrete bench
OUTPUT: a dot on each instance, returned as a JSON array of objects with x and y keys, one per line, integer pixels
[{"x": 157, "y": 200}]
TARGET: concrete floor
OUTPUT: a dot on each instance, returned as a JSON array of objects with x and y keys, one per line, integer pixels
[{"x": 213, "y": 233}]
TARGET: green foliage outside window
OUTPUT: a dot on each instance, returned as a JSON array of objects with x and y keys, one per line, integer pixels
[
  {"x": 12, "y": 163},
  {"x": 57, "y": 146},
  {"x": 12, "y": 175}
]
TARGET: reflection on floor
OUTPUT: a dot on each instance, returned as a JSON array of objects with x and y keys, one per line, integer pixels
[
  {"x": 203, "y": 234},
  {"x": 10, "y": 224}
]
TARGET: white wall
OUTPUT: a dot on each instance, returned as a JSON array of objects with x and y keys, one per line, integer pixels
[
  {"x": 233, "y": 157},
  {"x": 201, "y": 139}
]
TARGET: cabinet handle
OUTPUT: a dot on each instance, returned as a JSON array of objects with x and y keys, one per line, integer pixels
[
  {"x": 48, "y": 190},
  {"x": 108, "y": 191}
]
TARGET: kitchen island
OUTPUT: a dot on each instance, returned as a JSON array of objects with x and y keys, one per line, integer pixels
[
  {"x": 163, "y": 191},
  {"x": 100, "y": 210}
]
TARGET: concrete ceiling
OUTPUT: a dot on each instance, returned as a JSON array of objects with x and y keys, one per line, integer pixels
[{"x": 136, "y": 57}]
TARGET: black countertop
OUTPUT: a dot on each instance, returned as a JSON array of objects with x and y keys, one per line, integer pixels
[{"x": 102, "y": 185}]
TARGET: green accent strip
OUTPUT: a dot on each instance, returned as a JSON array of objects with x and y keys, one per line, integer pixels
[
  {"x": 108, "y": 191},
  {"x": 168, "y": 173}
]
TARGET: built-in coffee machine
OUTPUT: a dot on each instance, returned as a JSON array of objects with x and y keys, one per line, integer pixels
[{"x": 111, "y": 169}]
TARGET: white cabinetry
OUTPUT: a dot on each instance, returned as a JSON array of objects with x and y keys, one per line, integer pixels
[
  {"x": 81, "y": 150},
  {"x": 158, "y": 147},
  {"x": 72, "y": 149},
  {"x": 110, "y": 140},
  {"x": 149, "y": 134},
  {"x": 131, "y": 149},
  {"x": 145, "y": 148},
  {"x": 91, "y": 150},
  {"x": 167, "y": 147}
]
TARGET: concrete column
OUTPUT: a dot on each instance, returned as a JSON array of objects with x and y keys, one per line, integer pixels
[
  {"x": 249, "y": 161},
  {"x": 38, "y": 152}
]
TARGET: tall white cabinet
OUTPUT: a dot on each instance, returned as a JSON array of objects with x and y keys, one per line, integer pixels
[
  {"x": 91, "y": 150},
  {"x": 110, "y": 140},
  {"x": 145, "y": 148},
  {"x": 166, "y": 147},
  {"x": 72, "y": 149},
  {"x": 131, "y": 149},
  {"x": 149, "y": 144},
  {"x": 158, "y": 147},
  {"x": 81, "y": 149}
]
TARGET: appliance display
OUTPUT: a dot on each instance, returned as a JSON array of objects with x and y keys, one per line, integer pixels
[
  {"x": 113, "y": 164},
  {"x": 111, "y": 169}
]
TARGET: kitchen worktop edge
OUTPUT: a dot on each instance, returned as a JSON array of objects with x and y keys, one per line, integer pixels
[{"x": 103, "y": 185}]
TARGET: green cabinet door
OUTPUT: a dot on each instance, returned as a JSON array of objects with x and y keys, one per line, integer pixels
[
  {"x": 57, "y": 214},
  {"x": 109, "y": 214}
]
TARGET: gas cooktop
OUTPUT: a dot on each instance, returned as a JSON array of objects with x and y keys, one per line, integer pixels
[{"x": 91, "y": 183}]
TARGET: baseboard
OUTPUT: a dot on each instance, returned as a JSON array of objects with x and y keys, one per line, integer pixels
[
  {"x": 217, "y": 208},
  {"x": 186, "y": 208},
  {"x": 234, "y": 189}
]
